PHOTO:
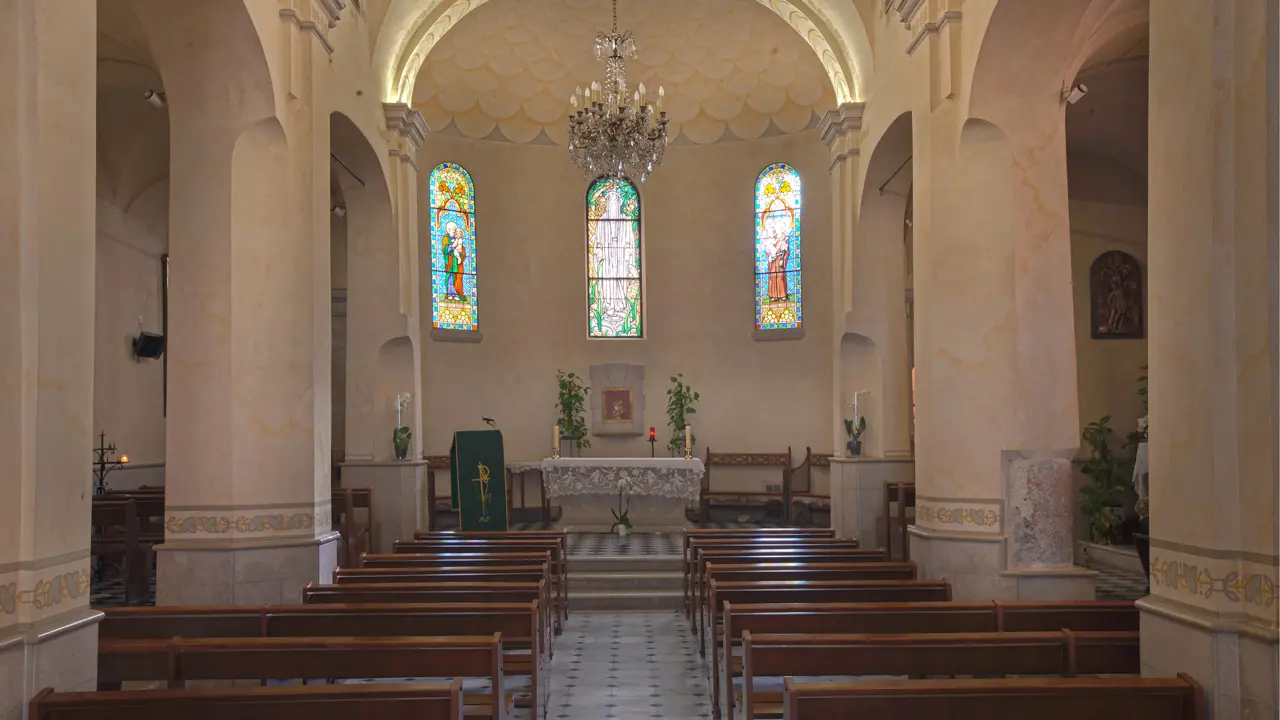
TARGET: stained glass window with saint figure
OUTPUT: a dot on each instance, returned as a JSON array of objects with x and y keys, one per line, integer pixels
[
  {"x": 778, "y": 283},
  {"x": 453, "y": 250},
  {"x": 614, "y": 291}
]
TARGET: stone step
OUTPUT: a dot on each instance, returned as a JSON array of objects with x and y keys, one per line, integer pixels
[
  {"x": 638, "y": 563},
  {"x": 624, "y": 581},
  {"x": 601, "y": 601}
]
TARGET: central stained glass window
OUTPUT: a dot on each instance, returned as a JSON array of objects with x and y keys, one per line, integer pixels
[
  {"x": 453, "y": 250},
  {"x": 614, "y": 290},
  {"x": 778, "y": 282}
]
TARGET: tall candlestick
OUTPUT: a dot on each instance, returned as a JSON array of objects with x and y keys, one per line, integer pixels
[
  {"x": 688, "y": 433},
  {"x": 555, "y": 439}
]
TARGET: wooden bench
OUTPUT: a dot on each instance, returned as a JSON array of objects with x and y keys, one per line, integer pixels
[
  {"x": 180, "y": 660},
  {"x": 418, "y": 701},
  {"x": 753, "y": 498},
  {"x": 692, "y": 533},
  {"x": 912, "y": 618},
  {"x": 1179, "y": 698},
  {"x": 431, "y": 592},
  {"x": 522, "y": 626},
  {"x": 562, "y": 593},
  {"x": 490, "y": 545},
  {"x": 801, "y": 498},
  {"x": 778, "y": 571},
  {"x": 694, "y": 568},
  {"x": 116, "y": 540},
  {"x": 1063, "y": 653},
  {"x": 818, "y": 591}
]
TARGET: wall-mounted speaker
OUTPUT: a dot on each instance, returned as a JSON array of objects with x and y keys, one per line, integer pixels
[{"x": 148, "y": 345}]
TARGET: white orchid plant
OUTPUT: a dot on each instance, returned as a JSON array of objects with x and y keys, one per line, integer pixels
[
  {"x": 858, "y": 424},
  {"x": 624, "y": 506}
]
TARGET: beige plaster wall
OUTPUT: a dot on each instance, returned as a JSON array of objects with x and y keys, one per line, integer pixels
[{"x": 698, "y": 234}]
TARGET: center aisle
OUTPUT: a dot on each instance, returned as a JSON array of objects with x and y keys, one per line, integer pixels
[{"x": 628, "y": 666}]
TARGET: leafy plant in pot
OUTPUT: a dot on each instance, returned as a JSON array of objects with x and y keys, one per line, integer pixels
[
  {"x": 401, "y": 436},
  {"x": 621, "y": 517},
  {"x": 571, "y": 404},
  {"x": 1101, "y": 501},
  {"x": 680, "y": 405},
  {"x": 855, "y": 435}
]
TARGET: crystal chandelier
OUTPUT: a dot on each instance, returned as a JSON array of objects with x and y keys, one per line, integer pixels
[{"x": 611, "y": 132}]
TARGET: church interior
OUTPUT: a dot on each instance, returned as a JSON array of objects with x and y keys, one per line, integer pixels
[{"x": 580, "y": 359}]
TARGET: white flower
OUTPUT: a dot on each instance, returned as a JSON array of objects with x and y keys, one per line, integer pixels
[{"x": 1142, "y": 424}]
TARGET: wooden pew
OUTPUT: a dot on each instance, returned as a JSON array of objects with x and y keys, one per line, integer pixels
[
  {"x": 801, "y": 492},
  {"x": 773, "y": 541},
  {"x": 1179, "y": 698},
  {"x": 560, "y": 579},
  {"x": 417, "y": 701},
  {"x": 179, "y": 660},
  {"x": 116, "y": 539},
  {"x": 821, "y": 591},
  {"x": 911, "y": 618},
  {"x": 692, "y": 533},
  {"x": 753, "y": 460},
  {"x": 353, "y": 545},
  {"x": 694, "y": 568},
  {"x": 495, "y": 573},
  {"x": 362, "y": 500},
  {"x": 750, "y": 555},
  {"x": 1063, "y": 653},
  {"x": 431, "y": 592},
  {"x": 521, "y": 625},
  {"x": 904, "y": 494},
  {"x": 560, "y": 535}
]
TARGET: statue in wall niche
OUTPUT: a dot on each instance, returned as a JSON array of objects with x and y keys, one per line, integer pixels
[{"x": 1115, "y": 296}]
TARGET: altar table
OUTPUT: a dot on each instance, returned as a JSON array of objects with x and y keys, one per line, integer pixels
[{"x": 657, "y": 491}]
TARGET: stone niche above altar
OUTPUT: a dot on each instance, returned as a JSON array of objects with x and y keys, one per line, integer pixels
[{"x": 617, "y": 399}]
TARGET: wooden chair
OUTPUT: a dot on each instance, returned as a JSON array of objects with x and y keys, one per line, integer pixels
[
  {"x": 708, "y": 498},
  {"x": 802, "y": 500},
  {"x": 904, "y": 495},
  {"x": 116, "y": 541},
  {"x": 419, "y": 701},
  {"x": 343, "y": 507},
  {"x": 434, "y": 463}
]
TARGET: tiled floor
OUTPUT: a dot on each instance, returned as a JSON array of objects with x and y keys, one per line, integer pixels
[
  {"x": 630, "y": 666},
  {"x": 636, "y": 545}
]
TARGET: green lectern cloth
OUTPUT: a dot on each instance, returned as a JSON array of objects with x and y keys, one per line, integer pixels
[{"x": 479, "y": 483}]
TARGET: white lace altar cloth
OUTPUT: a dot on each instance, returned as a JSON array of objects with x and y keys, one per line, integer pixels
[
  {"x": 520, "y": 466},
  {"x": 659, "y": 477}
]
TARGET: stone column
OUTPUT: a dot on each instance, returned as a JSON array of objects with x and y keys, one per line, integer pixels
[
  {"x": 997, "y": 418},
  {"x": 247, "y": 482},
  {"x": 48, "y": 634},
  {"x": 1212, "y": 611}
]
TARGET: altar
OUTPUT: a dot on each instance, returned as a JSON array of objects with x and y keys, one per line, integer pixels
[{"x": 655, "y": 491}]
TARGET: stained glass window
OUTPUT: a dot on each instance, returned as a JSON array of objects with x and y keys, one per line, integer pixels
[
  {"x": 614, "y": 290},
  {"x": 453, "y": 250},
  {"x": 778, "y": 301}
]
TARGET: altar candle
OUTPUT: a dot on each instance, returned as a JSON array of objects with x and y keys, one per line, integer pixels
[
  {"x": 653, "y": 434},
  {"x": 555, "y": 438},
  {"x": 688, "y": 433}
]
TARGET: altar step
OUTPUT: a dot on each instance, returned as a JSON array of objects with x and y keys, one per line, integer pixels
[{"x": 603, "y": 584}]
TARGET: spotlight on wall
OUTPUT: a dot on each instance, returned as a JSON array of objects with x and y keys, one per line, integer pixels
[
  {"x": 339, "y": 211},
  {"x": 148, "y": 345},
  {"x": 1073, "y": 94},
  {"x": 154, "y": 97}
]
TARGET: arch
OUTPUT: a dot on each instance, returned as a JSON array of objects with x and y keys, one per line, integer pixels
[
  {"x": 779, "y": 282},
  {"x": 1030, "y": 51},
  {"x": 394, "y": 374},
  {"x": 615, "y": 279},
  {"x": 454, "y": 274},
  {"x": 832, "y": 28}
]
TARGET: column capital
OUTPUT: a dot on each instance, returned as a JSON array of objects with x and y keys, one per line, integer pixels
[
  {"x": 406, "y": 130},
  {"x": 840, "y": 129},
  {"x": 314, "y": 16}
]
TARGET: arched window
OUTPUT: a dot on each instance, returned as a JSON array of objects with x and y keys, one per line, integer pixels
[
  {"x": 778, "y": 281},
  {"x": 453, "y": 250},
  {"x": 614, "y": 290}
]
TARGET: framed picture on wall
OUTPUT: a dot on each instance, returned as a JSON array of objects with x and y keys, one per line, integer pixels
[{"x": 1115, "y": 296}]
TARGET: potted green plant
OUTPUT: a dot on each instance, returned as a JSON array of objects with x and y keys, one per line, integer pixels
[
  {"x": 401, "y": 436},
  {"x": 855, "y": 435},
  {"x": 681, "y": 401},
  {"x": 621, "y": 517},
  {"x": 1101, "y": 498},
  {"x": 571, "y": 403}
]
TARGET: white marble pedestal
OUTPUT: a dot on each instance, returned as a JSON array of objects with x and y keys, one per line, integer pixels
[{"x": 857, "y": 496}]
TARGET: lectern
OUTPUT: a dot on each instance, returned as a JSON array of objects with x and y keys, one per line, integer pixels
[{"x": 479, "y": 483}]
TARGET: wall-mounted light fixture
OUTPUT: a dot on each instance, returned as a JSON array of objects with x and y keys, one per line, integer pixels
[
  {"x": 1074, "y": 93},
  {"x": 155, "y": 97}
]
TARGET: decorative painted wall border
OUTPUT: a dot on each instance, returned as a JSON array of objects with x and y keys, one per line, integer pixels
[
  {"x": 1203, "y": 578},
  {"x": 976, "y": 515},
  {"x": 271, "y": 523},
  {"x": 28, "y": 596}
]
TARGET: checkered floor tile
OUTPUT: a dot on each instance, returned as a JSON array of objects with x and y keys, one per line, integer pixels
[
  {"x": 109, "y": 592},
  {"x": 635, "y": 545},
  {"x": 1118, "y": 585}
]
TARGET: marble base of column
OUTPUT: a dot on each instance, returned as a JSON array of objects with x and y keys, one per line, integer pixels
[
  {"x": 60, "y": 652},
  {"x": 396, "y": 489},
  {"x": 243, "y": 572},
  {"x": 857, "y": 497},
  {"x": 1236, "y": 661},
  {"x": 975, "y": 565}
]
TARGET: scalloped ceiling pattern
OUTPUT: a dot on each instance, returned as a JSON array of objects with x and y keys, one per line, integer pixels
[{"x": 732, "y": 69}]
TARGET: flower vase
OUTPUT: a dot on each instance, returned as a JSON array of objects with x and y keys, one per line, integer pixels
[
  {"x": 622, "y": 531},
  {"x": 402, "y": 452},
  {"x": 855, "y": 448}
]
